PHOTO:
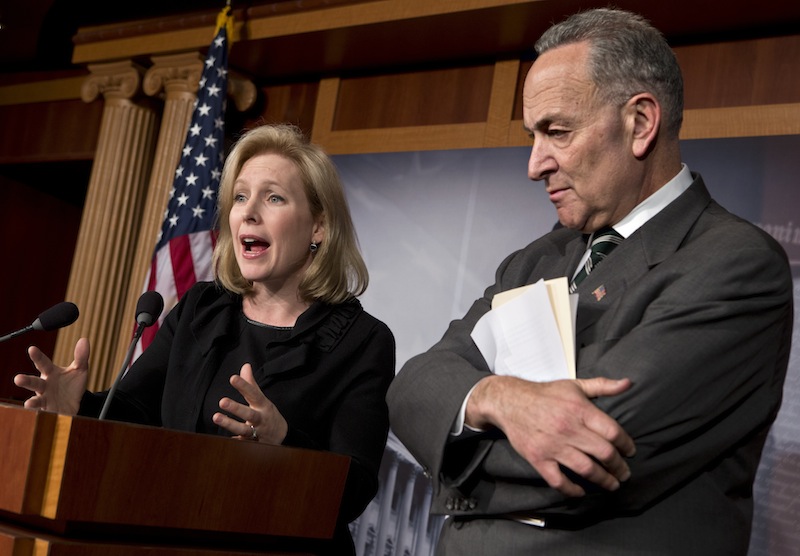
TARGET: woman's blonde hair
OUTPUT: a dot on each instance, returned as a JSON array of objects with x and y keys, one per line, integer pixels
[{"x": 337, "y": 271}]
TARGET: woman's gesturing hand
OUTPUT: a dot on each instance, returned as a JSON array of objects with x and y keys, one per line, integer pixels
[
  {"x": 259, "y": 420},
  {"x": 57, "y": 389}
]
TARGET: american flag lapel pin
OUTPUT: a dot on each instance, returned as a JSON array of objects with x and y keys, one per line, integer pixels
[{"x": 599, "y": 293}]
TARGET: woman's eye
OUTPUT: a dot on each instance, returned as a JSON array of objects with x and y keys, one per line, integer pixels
[
  {"x": 275, "y": 199},
  {"x": 238, "y": 198}
]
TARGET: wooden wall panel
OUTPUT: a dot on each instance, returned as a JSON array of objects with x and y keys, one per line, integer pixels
[
  {"x": 49, "y": 131},
  {"x": 741, "y": 73},
  {"x": 415, "y": 98},
  {"x": 283, "y": 103}
]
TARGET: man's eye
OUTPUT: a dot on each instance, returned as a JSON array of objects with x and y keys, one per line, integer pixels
[{"x": 556, "y": 132}]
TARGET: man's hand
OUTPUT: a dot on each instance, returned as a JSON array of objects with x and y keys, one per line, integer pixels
[{"x": 552, "y": 423}]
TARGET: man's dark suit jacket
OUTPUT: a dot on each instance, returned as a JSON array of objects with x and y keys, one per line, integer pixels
[{"x": 696, "y": 308}]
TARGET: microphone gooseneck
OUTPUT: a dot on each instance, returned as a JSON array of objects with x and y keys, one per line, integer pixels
[{"x": 148, "y": 309}]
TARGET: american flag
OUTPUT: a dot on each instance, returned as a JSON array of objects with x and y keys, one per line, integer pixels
[{"x": 186, "y": 240}]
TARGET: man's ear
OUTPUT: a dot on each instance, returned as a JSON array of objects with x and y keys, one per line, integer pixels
[{"x": 646, "y": 113}]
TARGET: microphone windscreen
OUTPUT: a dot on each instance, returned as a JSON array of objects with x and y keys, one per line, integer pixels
[
  {"x": 149, "y": 307},
  {"x": 57, "y": 316}
]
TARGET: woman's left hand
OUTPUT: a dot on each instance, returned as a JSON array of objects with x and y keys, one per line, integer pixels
[{"x": 260, "y": 419}]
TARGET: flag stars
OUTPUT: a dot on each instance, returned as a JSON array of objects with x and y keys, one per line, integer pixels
[
  {"x": 191, "y": 206},
  {"x": 200, "y": 160}
]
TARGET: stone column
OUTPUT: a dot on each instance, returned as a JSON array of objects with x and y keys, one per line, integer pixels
[{"x": 101, "y": 265}]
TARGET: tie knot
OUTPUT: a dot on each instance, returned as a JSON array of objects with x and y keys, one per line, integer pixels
[{"x": 605, "y": 240}]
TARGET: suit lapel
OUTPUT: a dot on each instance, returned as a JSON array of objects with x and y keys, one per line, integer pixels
[{"x": 651, "y": 244}]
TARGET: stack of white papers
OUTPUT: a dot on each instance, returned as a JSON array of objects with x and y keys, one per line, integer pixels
[{"x": 530, "y": 332}]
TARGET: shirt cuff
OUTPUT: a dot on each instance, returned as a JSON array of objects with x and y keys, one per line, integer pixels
[{"x": 459, "y": 425}]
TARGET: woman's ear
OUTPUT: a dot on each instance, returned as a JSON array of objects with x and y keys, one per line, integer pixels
[{"x": 318, "y": 232}]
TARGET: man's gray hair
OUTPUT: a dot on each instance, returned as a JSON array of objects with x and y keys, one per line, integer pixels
[{"x": 628, "y": 56}]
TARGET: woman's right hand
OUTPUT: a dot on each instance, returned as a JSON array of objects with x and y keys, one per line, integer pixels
[{"x": 57, "y": 389}]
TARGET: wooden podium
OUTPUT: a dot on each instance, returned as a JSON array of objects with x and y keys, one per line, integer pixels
[{"x": 80, "y": 486}]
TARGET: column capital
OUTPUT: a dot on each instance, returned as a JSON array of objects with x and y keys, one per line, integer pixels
[
  {"x": 181, "y": 73},
  {"x": 119, "y": 80},
  {"x": 242, "y": 90},
  {"x": 178, "y": 73}
]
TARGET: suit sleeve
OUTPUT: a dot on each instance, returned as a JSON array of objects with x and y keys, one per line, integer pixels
[{"x": 428, "y": 392}]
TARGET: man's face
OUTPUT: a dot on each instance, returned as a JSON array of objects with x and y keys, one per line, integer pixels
[{"x": 581, "y": 145}]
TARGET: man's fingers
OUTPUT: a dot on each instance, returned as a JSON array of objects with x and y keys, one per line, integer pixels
[
  {"x": 601, "y": 386},
  {"x": 551, "y": 472},
  {"x": 600, "y": 423},
  {"x": 609, "y": 430}
]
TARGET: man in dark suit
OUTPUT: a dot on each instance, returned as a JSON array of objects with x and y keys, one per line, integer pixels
[{"x": 683, "y": 334}]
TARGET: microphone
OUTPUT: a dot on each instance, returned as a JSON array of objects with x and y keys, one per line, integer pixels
[
  {"x": 148, "y": 309},
  {"x": 58, "y": 316}
]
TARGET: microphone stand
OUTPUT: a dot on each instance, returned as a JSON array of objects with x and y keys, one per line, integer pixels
[
  {"x": 17, "y": 333},
  {"x": 128, "y": 356}
]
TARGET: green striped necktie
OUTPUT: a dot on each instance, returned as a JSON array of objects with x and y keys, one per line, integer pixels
[{"x": 603, "y": 242}]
